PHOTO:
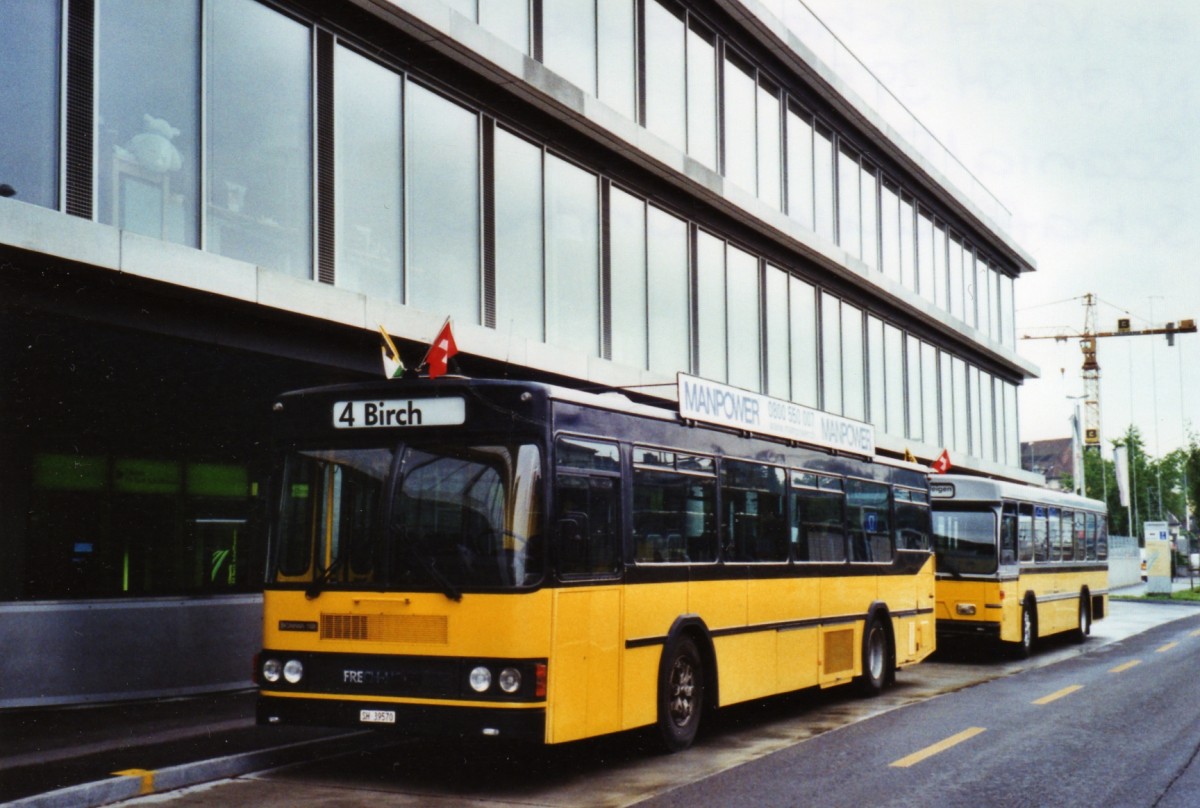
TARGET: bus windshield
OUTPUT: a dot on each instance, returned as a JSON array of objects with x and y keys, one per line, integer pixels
[
  {"x": 965, "y": 542},
  {"x": 436, "y": 517}
]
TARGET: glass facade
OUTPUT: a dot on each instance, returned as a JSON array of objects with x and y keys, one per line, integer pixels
[{"x": 207, "y": 131}]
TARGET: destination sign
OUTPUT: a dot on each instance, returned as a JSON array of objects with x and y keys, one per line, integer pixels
[
  {"x": 720, "y": 404},
  {"x": 399, "y": 412}
]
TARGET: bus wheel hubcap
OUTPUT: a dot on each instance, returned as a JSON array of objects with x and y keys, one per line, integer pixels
[{"x": 683, "y": 691}]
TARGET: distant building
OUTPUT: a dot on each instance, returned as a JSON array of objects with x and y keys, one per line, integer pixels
[
  {"x": 1049, "y": 457},
  {"x": 206, "y": 202}
]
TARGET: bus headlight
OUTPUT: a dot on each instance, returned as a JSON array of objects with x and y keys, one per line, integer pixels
[
  {"x": 510, "y": 680},
  {"x": 293, "y": 671},
  {"x": 480, "y": 679},
  {"x": 965, "y": 609},
  {"x": 271, "y": 670}
]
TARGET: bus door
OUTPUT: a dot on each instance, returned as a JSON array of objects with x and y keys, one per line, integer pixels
[{"x": 585, "y": 671}]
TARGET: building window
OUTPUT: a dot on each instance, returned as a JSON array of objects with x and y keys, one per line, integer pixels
[
  {"x": 870, "y": 216},
  {"x": 956, "y": 279},
  {"x": 770, "y": 146},
  {"x": 962, "y": 419},
  {"x": 442, "y": 158},
  {"x": 800, "y": 167},
  {"x": 259, "y": 125},
  {"x": 710, "y": 307},
  {"x": 849, "y": 203},
  {"x": 876, "y": 374},
  {"x": 744, "y": 333},
  {"x": 702, "y": 96},
  {"x": 569, "y": 41},
  {"x": 947, "y": 405},
  {"x": 741, "y": 143},
  {"x": 925, "y": 261},
  {"x": 617, "y": 48},
  {"x": 520, "y": 284},
  {"x": 854, "y": 384},
  {"x": 669, "y": 283},
  {"x": 802, "y": 302},
  {"x": 941, "y": 293},
  {"x": 823, "y": 181},
  {"x": 889, "y": 231},
  {"x": 30, "y": 39},
  {"x": 627, "y": 248},
  {"x": 893, "y": 357},
  {"x": 369, "y": 196},
  {"x": 908, "y": 243},
  {"x": 779, "y": 382},
  {"x": 147, "y": 137},
  {"x": 572, "y": 257},
  {"x": 912, "y": 363},
  {"x": 666, "y": 73},
  {"x": 831, "y": 353},
  {"x": 929, "y": 392}
]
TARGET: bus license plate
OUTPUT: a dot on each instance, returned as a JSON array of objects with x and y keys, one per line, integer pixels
[{"x": 377, "y": 716}]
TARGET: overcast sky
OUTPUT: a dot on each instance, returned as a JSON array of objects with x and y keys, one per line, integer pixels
[{"x": 1083, "y": 118}]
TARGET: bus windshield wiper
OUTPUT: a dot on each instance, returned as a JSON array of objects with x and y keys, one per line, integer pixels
[
  {"x": 430, "y": 567},
  {"x": 314, "y": 589},
  {"x": 944, "y": 565}
]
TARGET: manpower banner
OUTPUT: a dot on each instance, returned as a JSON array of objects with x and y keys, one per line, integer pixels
[{"x": 716, "y": 403}]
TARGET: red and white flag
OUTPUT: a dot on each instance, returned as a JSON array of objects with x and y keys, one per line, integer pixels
[
  {"x": 440, "y": 351},
  {"x": 942, "y": 464}
]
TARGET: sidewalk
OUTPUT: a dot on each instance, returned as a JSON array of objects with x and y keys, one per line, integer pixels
[{"x": 72, "y": 756}]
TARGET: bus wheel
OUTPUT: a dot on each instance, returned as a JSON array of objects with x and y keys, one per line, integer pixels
[
  {"x": 680, "y": 695},
  {"x": 1085, "y": 619},
  {"x": 874, "y": 658},
  {"x": 1024, "y": 647}
]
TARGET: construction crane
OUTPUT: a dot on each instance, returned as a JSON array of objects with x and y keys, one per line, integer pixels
[{"x": 1091, "y": 366}]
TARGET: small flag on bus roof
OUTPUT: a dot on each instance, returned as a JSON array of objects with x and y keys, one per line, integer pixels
[
  {"x": 393, "y": 367},
  {"x": 909, "y": 457},
  {"x": 942, "y": 464},
  {"x": 440, "y": 352}
]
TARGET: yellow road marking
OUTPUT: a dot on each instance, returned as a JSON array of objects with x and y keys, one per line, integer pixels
[
  {"x": 1167, "y": 647},
  {"x": 940, "y": 746},
  {"x": 1122, "y": 668},
  {"x": 146, "y": 776},
  {"x": 1066, "y": 691}
]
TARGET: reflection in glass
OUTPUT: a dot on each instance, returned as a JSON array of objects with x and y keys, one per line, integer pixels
[
  {"x": 29, "y": 98},
  {"x": 572, "y": 257},
  {"x": 520, "y": 295},
  {"x": 627, "y": 220},
  {"x": 259, "y": 125},
  {"x": 667, "y": 250},
  {"x": 442, "y": 157},
  {"x": 710, "y": 306},
  {"x": 666, "y": 71},
  {"x": 369, "y": 192},
  {"x": 745, "y": 320},
  {"x": 147, "y": 144}
]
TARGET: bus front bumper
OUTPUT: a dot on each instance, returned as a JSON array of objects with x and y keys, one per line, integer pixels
[
  {"x": 968, "y": 629},
  {"x": 416, "y": 720}
]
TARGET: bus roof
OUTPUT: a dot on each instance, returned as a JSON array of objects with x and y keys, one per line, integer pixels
[{"x": 964, "y": 488}]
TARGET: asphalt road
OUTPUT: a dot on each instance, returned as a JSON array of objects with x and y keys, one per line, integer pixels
[{"x": 1114, "y": 722}]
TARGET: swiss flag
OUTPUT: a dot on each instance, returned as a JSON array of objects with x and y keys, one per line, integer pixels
[
  {"x": 942, "y": 464},
  {"x": 440, "y": 351}
]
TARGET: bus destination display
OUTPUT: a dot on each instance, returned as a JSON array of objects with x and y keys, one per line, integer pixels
[{"x": 402, "y": 412}]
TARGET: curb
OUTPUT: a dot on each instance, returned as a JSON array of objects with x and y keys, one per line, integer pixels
[{"x": 141, "y": 782}]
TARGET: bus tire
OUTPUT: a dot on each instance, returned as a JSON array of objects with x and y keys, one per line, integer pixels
[
  {"x": 1085, "y": 618},
  {"x": 680, "y": 694},
  {"x": 1024, "y": 647},
  {"x": 875, "y": 656}
]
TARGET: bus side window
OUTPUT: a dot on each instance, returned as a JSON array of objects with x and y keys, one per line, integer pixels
[
  {"x": 1068, "y": 535},
  {"x": 1090, "y": 536},
  {"x": 1025, "y": 532},
  {"x": 588, "y": 527},
  {"x": 754, "y": 512},
  {"x": 818, "y": 529},
  {"x": 867, "y": 510},
  {"x": 1008, "y": 534},
  {"x": 1041, "y": 535}
]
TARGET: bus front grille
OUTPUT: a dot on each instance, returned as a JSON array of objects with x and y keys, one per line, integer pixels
[{"x": 400, "y": 628}]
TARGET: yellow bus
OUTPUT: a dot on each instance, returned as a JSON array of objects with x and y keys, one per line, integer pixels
[
  {"x": 518, "y": 560},
  {"x": 1017, "y": 562}
]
